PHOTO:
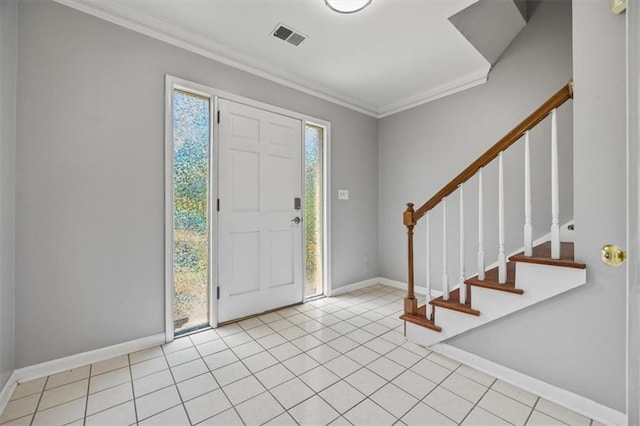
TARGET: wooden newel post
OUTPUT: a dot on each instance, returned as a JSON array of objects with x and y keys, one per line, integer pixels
[{"x": 410, "y": 302}]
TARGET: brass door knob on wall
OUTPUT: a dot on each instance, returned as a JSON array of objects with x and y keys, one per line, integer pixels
[{"x": 613, "y": 255}]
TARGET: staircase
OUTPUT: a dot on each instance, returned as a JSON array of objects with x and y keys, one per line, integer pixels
[{"x": 539, "y": 272}]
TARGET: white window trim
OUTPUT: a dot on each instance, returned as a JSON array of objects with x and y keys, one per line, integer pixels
[{"x": 172, "y": 83}]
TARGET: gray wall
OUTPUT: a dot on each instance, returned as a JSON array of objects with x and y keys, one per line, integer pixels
[
  {"x": 491, "y": 25},
  {"x": 422, "y": 149},
  {"x": 8, "y": 44},
  {"x": 89, "y": 248},
  {"x": 577, "y": 341}
]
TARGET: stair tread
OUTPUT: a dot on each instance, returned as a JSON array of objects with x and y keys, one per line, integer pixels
[
  {"x": 421, "y": 319},
  {"x": 491, "y": 280},
  {"x": 542, "y": 256},
  {"x": 454, "y": 303}
]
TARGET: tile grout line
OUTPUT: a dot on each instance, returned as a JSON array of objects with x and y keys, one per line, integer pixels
[
  {"x": 303, "y": 352},
  {"x": 533, "y": 408},
  {"x": 217, "y": 382},
  {"x": 353, "y": 310},
  {"x": 440, "y": 384},
  {"x": 362, "y": 366},
  {"x": 479, "y": 399},
  {"x": 175, "y": 384},
  {"x": 555, "y": 418},
  {"x": 86, "y": 402},
  {"x": 133, "y": 389},
  {"x": 245, "y": 330},
  {"x": 381, "y": 355},
  {"x": 343, "y": 379},
  {"x": 258, "y": 380},
  {"x": 35, "y": 411}
]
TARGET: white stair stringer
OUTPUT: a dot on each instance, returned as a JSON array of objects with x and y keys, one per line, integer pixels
[{"x": 539, "y": 282}]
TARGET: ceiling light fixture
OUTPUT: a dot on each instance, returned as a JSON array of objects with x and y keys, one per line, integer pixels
[{"x": 347, "y": 6}]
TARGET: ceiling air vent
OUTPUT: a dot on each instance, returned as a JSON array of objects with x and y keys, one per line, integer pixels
[{"x": 289, "y": 35}]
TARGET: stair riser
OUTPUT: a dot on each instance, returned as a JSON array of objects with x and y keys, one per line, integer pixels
[
  {"x": 456, "y": 322},
  {"x": 540, "y": 282}
]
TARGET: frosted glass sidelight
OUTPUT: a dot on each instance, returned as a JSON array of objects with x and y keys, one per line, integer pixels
[
  {"x": 191, "y": 144},
  {"x": 313, "y": 153}
]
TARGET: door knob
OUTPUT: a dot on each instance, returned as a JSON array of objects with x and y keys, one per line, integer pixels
[
  {"x": 613, "y": 255},
  {"x": 296, "y": 220}
]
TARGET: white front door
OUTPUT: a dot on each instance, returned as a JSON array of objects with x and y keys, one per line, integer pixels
[{"x": 260, "y": 240}]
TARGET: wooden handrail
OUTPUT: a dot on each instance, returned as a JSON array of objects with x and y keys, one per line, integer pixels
[
  {"x": 410, "y": 216},
  {"x": 509, "y": 139}
]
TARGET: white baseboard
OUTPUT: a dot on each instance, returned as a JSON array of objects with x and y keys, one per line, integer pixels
[
  {"x": 7, "y": 391},
  {"x": 562, "y": 397},
  {"x": 403, "y": 286},
  {"x": 74, "y": 361},
  {"x": 355, "y": 286},
  {"x": 400, "y": 285},
  {"x": 385, "y": 281}
]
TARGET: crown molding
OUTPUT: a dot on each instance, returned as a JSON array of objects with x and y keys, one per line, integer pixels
[
  {"x": 465, "y": 82},
  {"x": 123, "y": 16},
  {"x": 131, "y": 19}
]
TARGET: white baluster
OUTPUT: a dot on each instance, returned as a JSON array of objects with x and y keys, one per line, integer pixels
[
  {"x": 528, "y": 228},
  {"x": 480, "y": 229},
  {"x": 502, "y": 262},
  {"x": 445, "y": 276},
  {"x": 555, "y": 201},
  {"x": 428, "y": 271},
  {"x": 461, "y": 285}
]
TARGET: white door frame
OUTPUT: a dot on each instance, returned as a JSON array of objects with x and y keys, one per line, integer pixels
[
  {"x": 171, "y": 83},
  {"x": 633, "y": 214}
]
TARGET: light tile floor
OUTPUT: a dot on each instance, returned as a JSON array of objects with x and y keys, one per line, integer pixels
[{"x": 340, "y": 360}]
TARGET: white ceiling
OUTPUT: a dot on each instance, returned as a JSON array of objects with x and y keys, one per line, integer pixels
[{"x": 393, "y": 55}]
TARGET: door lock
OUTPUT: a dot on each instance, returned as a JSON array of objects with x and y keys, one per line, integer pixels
[
  {"x": 296, "y": 220},
  {"x": 613, "y": 255}
]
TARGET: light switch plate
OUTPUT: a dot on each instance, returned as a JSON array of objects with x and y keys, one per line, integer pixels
[{"x": 343, "y": 194}]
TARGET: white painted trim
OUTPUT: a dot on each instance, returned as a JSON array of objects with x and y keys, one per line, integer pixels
[
  {"x": 465, "y": 82},
  {"x": 7, "y": 390},
  {"x": 403, "y": 286},
  {"x": 126, "y": 17},
  {"x": 219, "y": 93},
  {"x": 355, "y": 286},
  {"x": 75, "y": 361},
  {"x": 214, "y": 156},
  {"x": 633, "y": 216},
  {"x": 173, "y": 82},
  {"x": 168, "y": 210},
  {"x": 384, "y": 281},
  {"x": 559, "y": 396}
]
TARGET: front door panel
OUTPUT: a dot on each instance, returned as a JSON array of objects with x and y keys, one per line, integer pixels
[{"x": 260, "y": 246}]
